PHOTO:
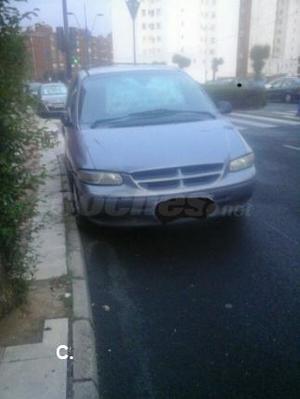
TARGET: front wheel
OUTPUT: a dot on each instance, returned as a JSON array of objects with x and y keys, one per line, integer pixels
[{"x": 81, "y": 221}]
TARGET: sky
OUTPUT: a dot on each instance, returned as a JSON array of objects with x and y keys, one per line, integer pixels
[{"x": 51, "y": 13}]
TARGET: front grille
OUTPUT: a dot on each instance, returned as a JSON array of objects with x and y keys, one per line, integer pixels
[{"x": 184, "y": 177}]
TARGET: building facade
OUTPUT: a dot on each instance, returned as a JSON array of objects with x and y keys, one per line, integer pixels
[
  {"x": 46, "y": 59},
  {"x": 270, "y": 22},
  {"x": 197, "y": 29},
  {"x": 243, "y": 38},
  {"x": 45, "y": 51}
]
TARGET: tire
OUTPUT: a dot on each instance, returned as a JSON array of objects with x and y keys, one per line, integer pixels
[{"x": 81, "y": 221}]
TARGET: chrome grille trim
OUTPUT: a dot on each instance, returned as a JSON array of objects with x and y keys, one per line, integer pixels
[{"x": 171, "y": 178}]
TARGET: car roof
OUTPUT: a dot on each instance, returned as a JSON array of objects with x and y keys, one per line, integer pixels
[{"x": 126, "y": 68}]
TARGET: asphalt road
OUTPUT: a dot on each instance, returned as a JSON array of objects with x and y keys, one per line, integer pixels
[{"x": 209, "y": 310}]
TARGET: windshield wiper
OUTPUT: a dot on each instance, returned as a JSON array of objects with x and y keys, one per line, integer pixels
[
  {"x": 165, "y": 111},
  {"x": 104, "y": 121},
  {"x": 150, "y": 114}
]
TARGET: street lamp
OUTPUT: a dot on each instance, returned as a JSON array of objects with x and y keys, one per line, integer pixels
[
  {"x": 95, "y": 19},
  {"x": 76, "y": 19},
  {"x": 87, "y": 32},
  {"x": 66, "y": 37}
]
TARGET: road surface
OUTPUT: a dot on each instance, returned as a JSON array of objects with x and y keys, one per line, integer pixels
[{"x": 209, "y": 310}]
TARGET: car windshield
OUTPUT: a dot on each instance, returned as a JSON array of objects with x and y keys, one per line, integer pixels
[
  {"x": 150, "y": 94},
  {"x": 53, "y": 90}
]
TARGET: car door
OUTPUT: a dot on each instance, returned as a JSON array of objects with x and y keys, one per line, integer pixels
[
  {"x": 70, "y": 126},
  {"x": 294, "y": 89},
  {"x": 287, "y": 90},
  {"x": 274, "y": 93}
]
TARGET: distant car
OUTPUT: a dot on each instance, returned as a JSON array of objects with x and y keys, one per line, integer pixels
[
  {"x": 222, "y": 81},
  {"x": 284, "y": 90},
  {"x": 52, "y": 98},
  {"x": 146, "y": 145},
  {"x": 239, "y": 83},
  {"x": 33, "y": 88}
]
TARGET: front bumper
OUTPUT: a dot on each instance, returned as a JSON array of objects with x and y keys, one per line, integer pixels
[
  {"x": 112, "y": 206},
  {"x": 53, "y": 109}
]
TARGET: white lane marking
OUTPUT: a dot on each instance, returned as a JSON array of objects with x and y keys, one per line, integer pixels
[
  {"x": 267, "y": 119},
  {"x": 251, "y": 123},
  {"x": 292, "y": 116},
  {"x": 292, "y": 147},
  {"x": 281, "y": 233},
  {"x": 240, "y": 127}
]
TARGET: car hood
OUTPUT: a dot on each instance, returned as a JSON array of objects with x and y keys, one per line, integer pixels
[{"x": 138, "y": 148}]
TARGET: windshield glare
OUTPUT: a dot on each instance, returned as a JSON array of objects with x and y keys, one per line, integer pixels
[
  {"x": 53, "y": 90},
  {"x": 115, "y": 95}
]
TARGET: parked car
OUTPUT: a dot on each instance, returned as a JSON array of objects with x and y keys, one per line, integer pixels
[
  {"x": 237, "y": 82},
  {"x": 284, "y": 89},
  {"x": 52, "y": 98},
  {"x": 146, "y": 145}
]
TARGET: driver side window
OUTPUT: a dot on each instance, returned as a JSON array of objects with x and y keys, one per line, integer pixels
[{"x": 277, "y": 84}]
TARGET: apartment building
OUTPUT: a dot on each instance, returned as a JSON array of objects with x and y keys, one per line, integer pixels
[
  {"x": 275, "y": 23},
  {"x": 286, "y": 42},
  {"x": 197, "y": 29},
  {"x": 243, "y": 38},
  {"x": 46, "y": 59},
  {"x": 44, "y": 46}
]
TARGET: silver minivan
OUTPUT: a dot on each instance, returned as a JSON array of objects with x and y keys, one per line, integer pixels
[{"x": 146, "y": 145}]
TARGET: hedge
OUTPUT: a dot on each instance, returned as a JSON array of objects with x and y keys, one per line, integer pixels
[
  {"x": 239, "y": 97},
  {"x": 20, "y": 139}
]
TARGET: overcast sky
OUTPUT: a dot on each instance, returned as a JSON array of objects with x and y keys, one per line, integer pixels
[{"x": 51, "y": 13}]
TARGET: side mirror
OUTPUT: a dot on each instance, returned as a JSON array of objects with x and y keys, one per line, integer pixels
[
  {"x": 224, "y": 107},
  {"x": 65, "y": 119}
]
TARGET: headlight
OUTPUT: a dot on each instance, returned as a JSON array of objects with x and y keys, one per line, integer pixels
[
  {"x": 242, "y": 163},
  {"x": 100, "y": 178}
]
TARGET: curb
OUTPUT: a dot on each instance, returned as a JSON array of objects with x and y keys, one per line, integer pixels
[{"x": 84, "y": 374}]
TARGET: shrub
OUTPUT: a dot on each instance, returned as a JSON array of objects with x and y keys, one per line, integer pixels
[
  {"x": 19, "y": 138},
  {"x": 239, "y": 97}
]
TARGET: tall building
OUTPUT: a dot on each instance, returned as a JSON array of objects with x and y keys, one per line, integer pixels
[
  {"x": 270, "y": 22},
  {"x": 286, "y": 41},
  {"x": 243, "y": 38},
  {"x": 48, "y": 60},
  {"x": 197, "y": 29}
]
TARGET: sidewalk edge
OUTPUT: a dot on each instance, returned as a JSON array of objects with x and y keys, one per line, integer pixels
[{"x": 84, "y": 371}]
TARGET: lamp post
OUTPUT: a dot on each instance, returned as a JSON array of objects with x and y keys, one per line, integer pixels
[
  {"x": 66, "y": 37},
  {"x": 76, "y": 19},
  {"x": 86, "y": 32},
  {"x": 133, "y": 7}
]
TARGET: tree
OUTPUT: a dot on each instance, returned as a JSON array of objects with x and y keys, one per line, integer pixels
[
  {"x": 216, "y": 62},
  {"x": 259, "y": 54},
  {"x": 181, "y": 61}
]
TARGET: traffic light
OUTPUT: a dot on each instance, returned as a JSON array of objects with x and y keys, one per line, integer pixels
[{"x": 75, "y": 61}]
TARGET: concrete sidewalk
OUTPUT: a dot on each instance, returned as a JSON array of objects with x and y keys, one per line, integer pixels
[{"x": 33, "y": 371}]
